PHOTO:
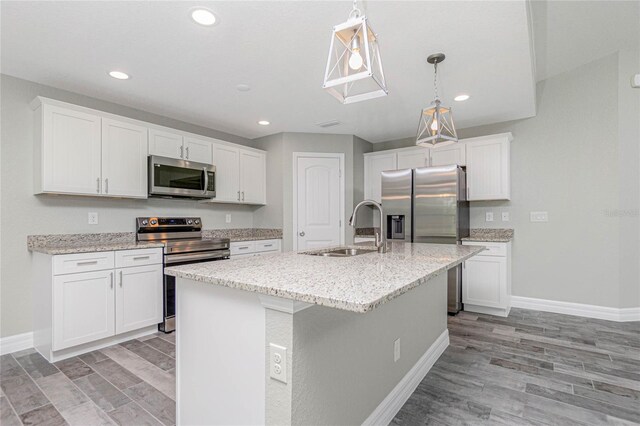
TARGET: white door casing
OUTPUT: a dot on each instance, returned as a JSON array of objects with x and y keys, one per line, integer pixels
[
  {"x": 124, "y": 159},
  {"x": 318, "y": 200}
]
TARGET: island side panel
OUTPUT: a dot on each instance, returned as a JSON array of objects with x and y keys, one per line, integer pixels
[
  {"x": 220, "y": 355},
  {"x": 343, "y": 362}
]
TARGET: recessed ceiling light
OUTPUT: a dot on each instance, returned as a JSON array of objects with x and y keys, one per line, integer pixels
[
  {"x": 263, "y": 123},
  {"x": 243, "y": 87},
  {"x": 461, "y": 98},
  {"x": 119, "y": 75},
  {"x": 203, "y": 17}
]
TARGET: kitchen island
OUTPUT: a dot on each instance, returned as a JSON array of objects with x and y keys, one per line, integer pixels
[{"x": 293, "y": 338}]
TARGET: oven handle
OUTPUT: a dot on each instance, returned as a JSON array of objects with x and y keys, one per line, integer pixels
[
  {"x": 177, "y": 258},
  {"x": 206, "y": 180}
]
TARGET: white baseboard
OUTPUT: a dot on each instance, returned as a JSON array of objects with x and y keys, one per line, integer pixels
[
  {"x": 17, "y": 342},
  {"x": 577, "y": 309},
  {"x": 389, "y": 407}
]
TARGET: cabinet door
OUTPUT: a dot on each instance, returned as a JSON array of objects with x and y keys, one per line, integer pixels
[
  {"x": 227, "y": 162},
  {"x": 124, "y": 159},
  {"x": 485, "y": 281},
  {"x": 165, "y": 144},
  {"x": 418, "y": 157},
  {"x": 83, "y": 308},
  {"x": 488, "y": 174},
  {"x": 451, "y": 154},
  {"x": 374, "y": 165},
  {"x": 252, "y": 177},
  {"x": 70, "y": 151},
  {"x": 138, "y": 297},
  {"x": 198, "y": 150}
]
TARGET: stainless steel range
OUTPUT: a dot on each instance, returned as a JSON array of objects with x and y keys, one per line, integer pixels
[{"x": 183, "y": 244}]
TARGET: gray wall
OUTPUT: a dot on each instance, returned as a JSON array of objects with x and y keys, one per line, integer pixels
[
  {"x": 23, "y": 213},
  {"x": 578, "y": 160},
  {"x": 280, "y": 149}
]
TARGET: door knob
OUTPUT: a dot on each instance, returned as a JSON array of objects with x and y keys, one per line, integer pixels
[{"x": 302, "y": 234}]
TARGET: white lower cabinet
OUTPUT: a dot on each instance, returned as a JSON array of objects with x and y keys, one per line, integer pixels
[
  {"x": 83, "y": 308},
  {"x": 486, "y": 280},
  {"x": 254, "y": 248},
  {"x": 138, "y": 297},
  {"x": 82, "y": 300}
]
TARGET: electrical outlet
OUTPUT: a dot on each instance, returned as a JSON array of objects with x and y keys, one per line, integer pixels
[
  {"x": 92, "y": 218},
  {"x": 505, "y": 217},
  {"x": 228, "y": 218},
  {"x": 539, "y": 217},
  {"x": 278, "y": 362},
  {"x": 396, "y": 350},
  {"x": 488, "y": 217}
]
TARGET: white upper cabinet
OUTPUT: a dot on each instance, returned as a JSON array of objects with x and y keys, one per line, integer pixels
[
  {"x": 374, "y": 165},
  {"x": 413, "y": 158},
  {"x": 227, "y": 161},
  {"x": 450, "y": 154},
  {"x": 240, "y": 175},
  {"x": 198, "y": 150},
  {"x": 252, "y": 177},
  {"x": 165, "y": 144},
  {"x": 67, "y": 151},
  {"x": 488, "y": 168},
  {"x": 124, "y": 159}
]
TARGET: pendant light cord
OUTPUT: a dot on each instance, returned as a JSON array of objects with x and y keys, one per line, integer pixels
[{"x": 435, "y": 78}]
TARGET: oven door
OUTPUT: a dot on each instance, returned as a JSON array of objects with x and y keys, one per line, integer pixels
[{"x": 169, "y": 177}]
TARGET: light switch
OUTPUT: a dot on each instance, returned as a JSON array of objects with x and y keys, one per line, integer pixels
[
  {"x": 489, "y": 217},
  {"x": 93, "y": 218},
  {"x": 539, "y": 217}
]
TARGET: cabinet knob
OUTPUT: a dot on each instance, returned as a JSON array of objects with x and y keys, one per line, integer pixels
[{"x": 302, "y": 234}]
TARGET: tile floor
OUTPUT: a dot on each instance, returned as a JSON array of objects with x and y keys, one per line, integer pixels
[
  {"x": 532, "y": 368},
  {"x": 132, "y": 383}
]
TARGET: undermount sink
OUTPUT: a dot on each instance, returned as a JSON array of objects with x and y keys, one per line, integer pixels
[{"x": 341, "y": 252}]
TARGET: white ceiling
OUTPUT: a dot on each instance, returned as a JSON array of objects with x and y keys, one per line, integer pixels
[
  {"x": 568, "y": 34},
  {"x": 189, "y": 72}
]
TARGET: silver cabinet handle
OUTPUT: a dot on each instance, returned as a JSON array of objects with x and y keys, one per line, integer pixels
[
  {"x": 138, "y": 258},
  {"x": 243, "y": 248},
  {"x": 302, "y": 234},
  {"x": 98, "y": 185},
  {"x": 111, "y": 279},
  {"x": 242, "y": 195},
  {"x": 238, "y": 195},
  {"x": 106, "y": 186},
  {"x": 181, "y": 151},
  {"x": 267, "y": 245},
  {"x": 88, "y": 262},
  {"x": 187, "y": 153},
  {"x": 120, "y": 279}
]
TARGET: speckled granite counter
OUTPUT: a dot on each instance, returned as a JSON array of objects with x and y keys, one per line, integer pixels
[
  {"x": 109, "y": 241},
  {"x": 358, "y": 283},
  {"x": 490, "y": 235}
]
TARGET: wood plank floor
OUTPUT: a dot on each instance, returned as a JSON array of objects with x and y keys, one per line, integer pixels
[
  {"x": 532, "y": 368},
  {"x": 128, "y": 384}
]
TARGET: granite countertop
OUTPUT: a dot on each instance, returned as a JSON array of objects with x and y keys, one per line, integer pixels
[
  {"x": 110, "y": 241},
  {"x": 357, "y": 284},
  {"x": 489, "y": 235}
]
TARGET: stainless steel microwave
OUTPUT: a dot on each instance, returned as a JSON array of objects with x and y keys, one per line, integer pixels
[{"x": 169, "y": 177}]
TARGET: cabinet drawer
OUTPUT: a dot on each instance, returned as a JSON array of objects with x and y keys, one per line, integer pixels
[
  {"x": 141, "y": 257},
  {"x": 267, "y": 245},
  {"x": 492, "y": 249},
  {"x": 242, "y": 247},
  {"x": 82, "y": 262}
]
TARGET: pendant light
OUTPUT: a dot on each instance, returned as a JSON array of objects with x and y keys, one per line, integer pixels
[
  {"x": 436, "y": 121},
  {"x": 354, "y": 68}
]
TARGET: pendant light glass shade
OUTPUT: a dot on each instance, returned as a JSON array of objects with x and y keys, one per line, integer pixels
[
  {"x": 354, "y": 68},
  {"x": 436, "y": 121}
]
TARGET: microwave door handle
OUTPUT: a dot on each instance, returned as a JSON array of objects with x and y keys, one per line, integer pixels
[{"x": 206, "y": 180}]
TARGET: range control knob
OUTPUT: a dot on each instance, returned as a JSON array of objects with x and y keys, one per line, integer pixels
[
  {"x": 145, "y": 222},
  {"x": 189, "y": 222},
  {"x": 154, "y": 222},
  {"x": 197, "y": 222}
]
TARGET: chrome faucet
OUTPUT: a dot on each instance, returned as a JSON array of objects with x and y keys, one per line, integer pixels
[{"x": 381, "y": 235}]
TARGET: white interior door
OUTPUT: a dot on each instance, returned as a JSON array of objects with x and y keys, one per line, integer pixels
[{"x": 318, "y": 201}]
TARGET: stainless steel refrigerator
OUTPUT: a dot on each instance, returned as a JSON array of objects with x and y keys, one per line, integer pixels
[{"x": 429, "y": 205}]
